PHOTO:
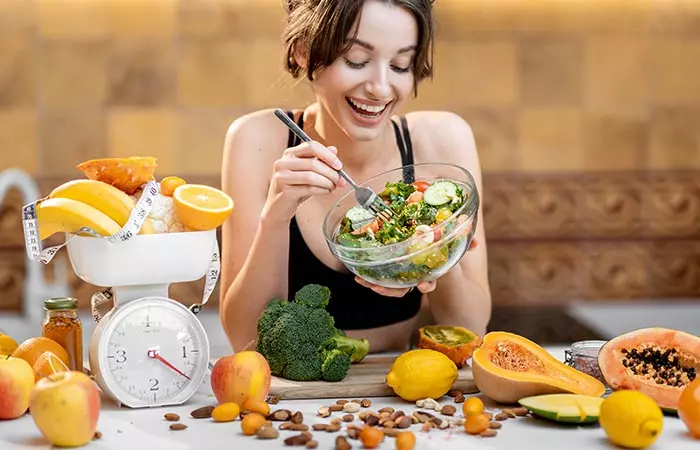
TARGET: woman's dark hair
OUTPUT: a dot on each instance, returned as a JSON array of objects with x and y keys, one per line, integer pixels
[{"x": 322, "y": 27}]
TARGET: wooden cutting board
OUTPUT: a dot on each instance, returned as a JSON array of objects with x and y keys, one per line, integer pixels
[{"x": 366, "y": 379}]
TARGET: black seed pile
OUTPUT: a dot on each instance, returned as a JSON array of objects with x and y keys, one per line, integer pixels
[{"x": 663, "y": 365}]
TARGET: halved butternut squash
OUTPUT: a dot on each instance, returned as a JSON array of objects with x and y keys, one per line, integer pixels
[{"x": 508, "y": 367}]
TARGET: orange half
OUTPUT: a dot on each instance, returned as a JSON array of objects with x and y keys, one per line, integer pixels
[
  {"x": 48, "y": 364},
  {"x": 200, "y": 207}
]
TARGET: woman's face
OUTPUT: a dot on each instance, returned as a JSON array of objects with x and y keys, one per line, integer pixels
[{"x": 363, "y": 87}]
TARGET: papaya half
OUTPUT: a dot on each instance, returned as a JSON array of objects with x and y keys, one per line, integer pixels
[
  {"x": 457, "y": 343},
  {"x": 659, "y": 362},
  {"x": 508, "y": 367}
]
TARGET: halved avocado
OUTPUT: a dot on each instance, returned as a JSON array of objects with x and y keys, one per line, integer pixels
[{"x": 567, "y": 408}]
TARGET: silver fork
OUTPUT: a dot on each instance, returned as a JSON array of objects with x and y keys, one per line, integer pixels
[{"x": 365, "y": 196}]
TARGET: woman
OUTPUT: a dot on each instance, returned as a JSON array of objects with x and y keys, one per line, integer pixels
[{"x": 363, "y": 60}]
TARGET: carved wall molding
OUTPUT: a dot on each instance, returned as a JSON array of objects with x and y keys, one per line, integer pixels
[{"x": 552, "y": 238}]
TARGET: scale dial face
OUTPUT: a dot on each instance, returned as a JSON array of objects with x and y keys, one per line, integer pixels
[{"x": 152, "y": 352}]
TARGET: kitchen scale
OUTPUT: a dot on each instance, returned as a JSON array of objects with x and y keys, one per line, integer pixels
[{"x": 147, "y": 349}]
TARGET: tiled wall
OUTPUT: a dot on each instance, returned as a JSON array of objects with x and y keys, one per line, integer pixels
[
  {"x": 560, "y": 94},
  {"x": 547, "y": 86}
]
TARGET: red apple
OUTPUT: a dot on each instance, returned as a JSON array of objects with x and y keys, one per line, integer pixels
[
  {"x": 16, "y": 382},
  {"x": 241, "y": 377}
]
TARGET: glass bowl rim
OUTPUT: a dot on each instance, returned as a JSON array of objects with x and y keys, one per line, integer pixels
[{"x": 468, "y": 204}]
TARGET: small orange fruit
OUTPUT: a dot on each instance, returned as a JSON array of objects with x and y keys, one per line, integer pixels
[
  {"x": 476, "y": 424},
  {"x": 689, "y": 407},
  {"x": 371, "y": 437},
  {"x": 48, "y": 364},
  {"x": 200, "y": 207},
  {"x": 256, "y": 406},
  {"x": 168, "y": 185},
  {"x": 472, "y": 406},
  {"x": 31, "y": 349},
  {"x": 251, "y": 423}
]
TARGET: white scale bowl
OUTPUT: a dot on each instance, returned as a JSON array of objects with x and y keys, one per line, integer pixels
[{"x": 145, "y": 259}]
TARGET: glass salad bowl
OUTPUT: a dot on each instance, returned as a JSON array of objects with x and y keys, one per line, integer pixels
[{"x": 435, "y": 209}]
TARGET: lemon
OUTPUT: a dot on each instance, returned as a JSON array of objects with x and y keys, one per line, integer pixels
[
  {"x": 421, "y": 373},
  {"x": 7, "y": 344},
  {"x": 631, "y": 419}
]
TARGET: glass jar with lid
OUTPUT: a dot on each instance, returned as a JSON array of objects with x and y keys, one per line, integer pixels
[
  {"x": 583, "y": 356},
  {"x": 63, "y": 325}
]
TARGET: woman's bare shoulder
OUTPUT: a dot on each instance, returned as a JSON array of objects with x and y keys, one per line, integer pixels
[
  {"x": 440, "y": 131},
  {"x": 255, "y": 132}
]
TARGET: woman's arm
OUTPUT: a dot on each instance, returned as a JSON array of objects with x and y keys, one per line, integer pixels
[
  {"x": 462, "y": 296},
  {"x": 254, "y": 269},
  {"x": 267, "y": 185}
]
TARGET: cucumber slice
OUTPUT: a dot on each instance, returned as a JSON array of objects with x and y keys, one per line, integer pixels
[
  {"x": 358, "y": 216},
  {"x": 440, "y": 193}
]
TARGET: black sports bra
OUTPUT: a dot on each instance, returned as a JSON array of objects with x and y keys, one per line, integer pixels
[{"x": 352, "y": 305}]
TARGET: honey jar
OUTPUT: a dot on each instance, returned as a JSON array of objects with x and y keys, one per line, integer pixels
[{"x": 63, "y": 325}]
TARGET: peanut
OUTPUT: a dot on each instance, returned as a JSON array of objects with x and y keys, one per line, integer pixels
[
  {"x": 267, "y": 432},
  {"x": 281, "y": 415},
  {"x": 178, "y": 426},
  {"x": 342, "y": 444},
  {"x": 299, "y": 439},
  {"x": 372, "y": 420},
  {"x": 448, "y": 410},
  {"x": 202, "y": 413},
  {"x": 404, "y": 422},
  {"x": 351, "y": 407},
  {"x": 311, "y": 444},
  {"x": 171, "y": 417}
]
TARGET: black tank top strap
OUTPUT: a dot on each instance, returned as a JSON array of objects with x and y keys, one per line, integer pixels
[{"x": 403, "y": 139}]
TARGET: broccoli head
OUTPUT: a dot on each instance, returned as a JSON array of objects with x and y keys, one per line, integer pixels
[
  {"x": 300, "y": 341},
  {"x": 335, "y": 365},
  {"x": 313, "y": 296}
]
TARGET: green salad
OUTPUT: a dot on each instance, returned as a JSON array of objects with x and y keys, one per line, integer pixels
[{"x": 418, "y": 207}]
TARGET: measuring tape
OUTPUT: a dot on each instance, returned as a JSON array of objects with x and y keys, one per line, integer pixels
[{"x": 131, "y": 228}]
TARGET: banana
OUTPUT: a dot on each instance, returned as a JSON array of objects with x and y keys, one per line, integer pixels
[
  {"x": 104, "y": 197},
  {"x": 66, "y": 215}
]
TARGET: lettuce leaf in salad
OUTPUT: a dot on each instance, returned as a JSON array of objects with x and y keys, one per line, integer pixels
[{"x": 408, "y": 216}]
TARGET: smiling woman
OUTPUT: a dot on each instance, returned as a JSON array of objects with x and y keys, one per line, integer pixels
[{"x": 363, "y": 59}]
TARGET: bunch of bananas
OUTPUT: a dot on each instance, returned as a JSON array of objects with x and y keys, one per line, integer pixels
[{"x": 80, "y": 203}]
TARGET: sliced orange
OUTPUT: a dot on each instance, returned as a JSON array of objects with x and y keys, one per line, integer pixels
[
  {"x": 200, "y": 207},
  {"x": 31, "y": 349},
  {"x": 48, "y": 364}
]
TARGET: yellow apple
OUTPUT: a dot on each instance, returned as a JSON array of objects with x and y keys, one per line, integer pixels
[
  {"x": 65, "y": 407},
  {"x": 16, "y": 382}
]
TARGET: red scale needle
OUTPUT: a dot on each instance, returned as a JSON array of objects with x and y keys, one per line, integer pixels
[{"x": 153, "y": 354}]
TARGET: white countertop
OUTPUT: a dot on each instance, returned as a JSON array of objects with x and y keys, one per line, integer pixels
[{"x": 146, "y": 429}]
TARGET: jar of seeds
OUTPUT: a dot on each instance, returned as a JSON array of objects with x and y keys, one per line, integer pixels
[{"x": 583, "y": 356}]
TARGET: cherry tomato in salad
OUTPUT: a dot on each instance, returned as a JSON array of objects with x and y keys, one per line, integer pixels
[{"x": 420, "y": 185}]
